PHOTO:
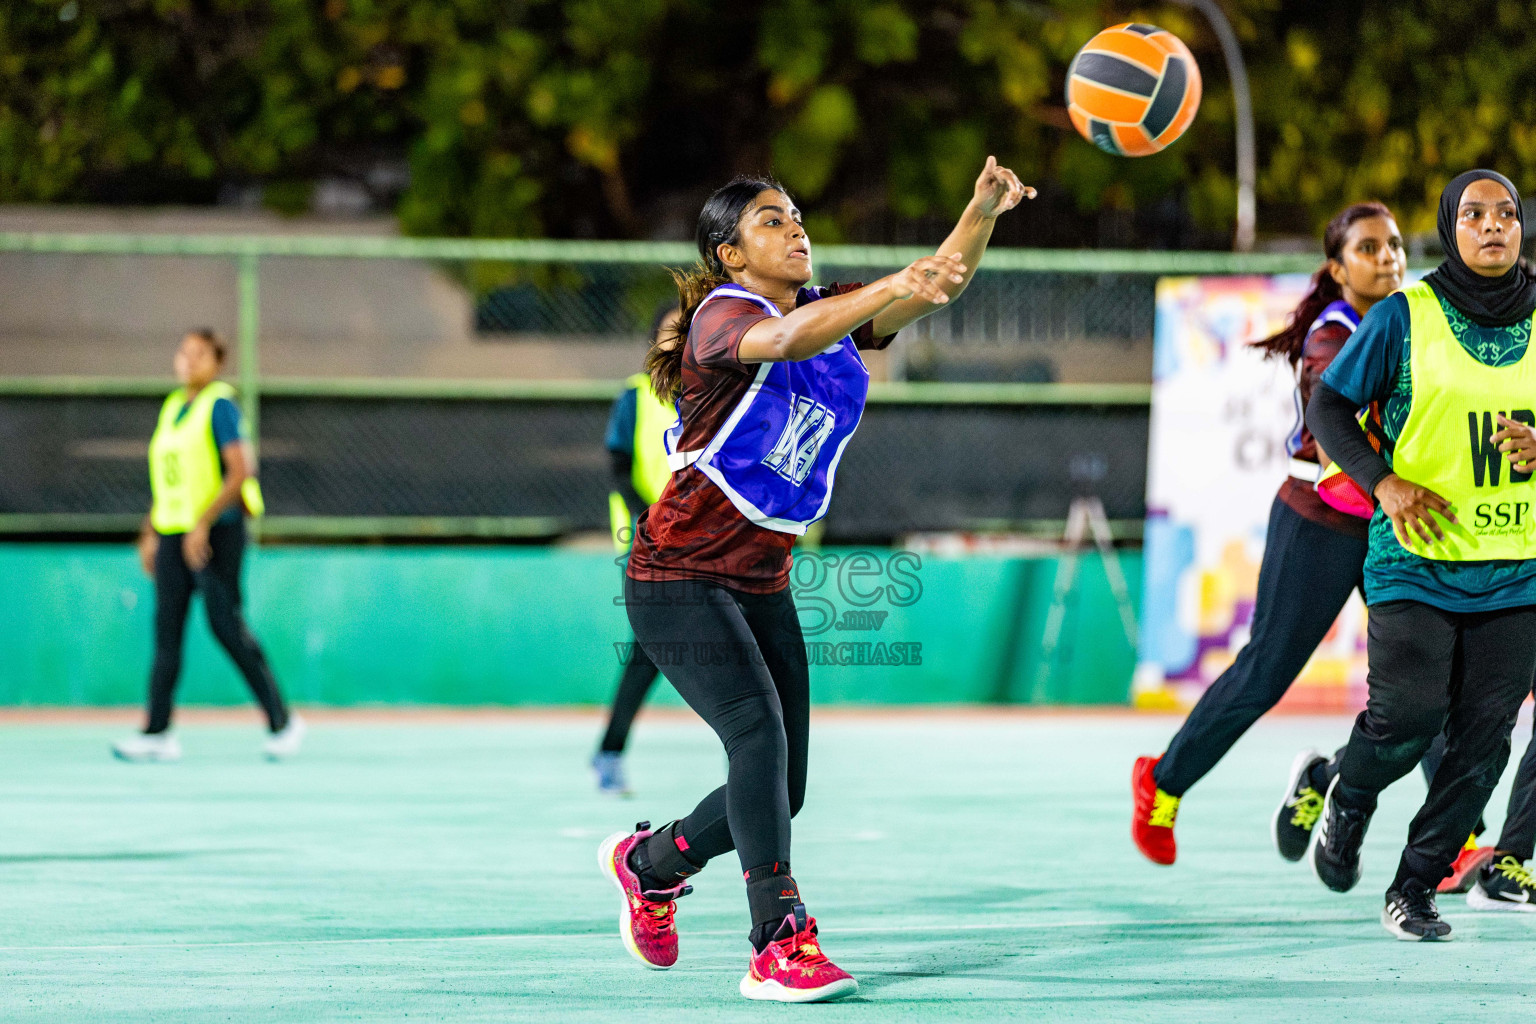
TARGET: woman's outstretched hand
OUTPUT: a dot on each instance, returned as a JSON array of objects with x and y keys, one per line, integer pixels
[
  {"x": 1410, "y": 508},
  {"x": 932, "y": 282},
  {"x": 924, "y": 279},
  {"x": 1518, "y": 443},
  {"x": 999, "y": 190}
]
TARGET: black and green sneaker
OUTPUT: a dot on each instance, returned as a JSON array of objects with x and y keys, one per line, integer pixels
[
  {"x": 1300, "y": 808},
  {"x": 1505, "y": 884}
]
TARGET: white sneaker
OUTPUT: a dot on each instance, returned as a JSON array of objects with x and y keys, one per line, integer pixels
[
  {"x": 161, "y": 746},
  {"x": 285, "y": 743}
]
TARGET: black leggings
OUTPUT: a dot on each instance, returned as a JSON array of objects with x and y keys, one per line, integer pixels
[
  {"x": 219, "y": 582},
  {"x": 639, "y": 675},
  {"x": 739, "y": 661},
  {"x": 1307, "y": 574},
  {"x": 1465, "y": 673}
]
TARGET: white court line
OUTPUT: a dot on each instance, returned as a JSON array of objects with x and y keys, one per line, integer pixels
[{"x": 714, "y": 933}]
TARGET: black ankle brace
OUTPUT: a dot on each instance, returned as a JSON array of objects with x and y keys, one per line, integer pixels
[
  {"x": 761, "y": 935},
  {"x": 665, "y": 860},
  {"x": 771, "y": 895}
]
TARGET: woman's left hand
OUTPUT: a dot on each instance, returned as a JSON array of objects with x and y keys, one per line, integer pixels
[
  {"x": 1518, "y": 443},
  {"x": 195, "y": 548},
  {"x": 999, "y": 190}
]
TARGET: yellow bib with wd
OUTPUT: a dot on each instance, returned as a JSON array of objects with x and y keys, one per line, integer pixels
[
  {"x": 1444, "y": 444},
  {"x": 184, "y": 471}
]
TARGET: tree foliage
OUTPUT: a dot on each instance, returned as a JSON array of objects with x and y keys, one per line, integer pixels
[
  {"x": 613, "y": 117},
  {"x": 1391, "y": 101}
]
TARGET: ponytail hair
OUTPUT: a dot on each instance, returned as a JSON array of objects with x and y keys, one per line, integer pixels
[
  {"x": 1324, "y": 290},
  {"x": 719, "y": 224}
]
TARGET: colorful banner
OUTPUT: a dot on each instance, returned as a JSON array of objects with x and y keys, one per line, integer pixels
[{"x": 1220, "y": 418}]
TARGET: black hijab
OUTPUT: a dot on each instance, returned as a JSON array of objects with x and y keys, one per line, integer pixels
[{"x": 1489, "y": 301}]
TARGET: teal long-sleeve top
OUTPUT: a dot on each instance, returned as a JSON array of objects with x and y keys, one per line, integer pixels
[{"x": 1374, "y": 366}]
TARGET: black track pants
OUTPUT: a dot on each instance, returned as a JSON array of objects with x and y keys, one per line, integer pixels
[
  {"x": 219, "y": 582},
  {"x": 739, "y": 661},
  {"x": 1432, "y": 670},
  {"x": 1306, "y": 576}
]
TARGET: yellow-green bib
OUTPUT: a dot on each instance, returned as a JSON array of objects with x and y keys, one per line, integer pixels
[
  {"x": 1444, "y": 444},
  {"x": 648, "y": 472},
  {"x": 184, "y": 471},
  {"x": 652, "y": 418}
]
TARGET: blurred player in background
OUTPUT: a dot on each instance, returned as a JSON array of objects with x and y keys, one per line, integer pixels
[
  {"x": 1450, "y": 573},
  {"x": 1314, "y": 552},
  {"x": 201, "y": 472},
  {"x": 770, "y": 387},
  {"x": 639, "y": 461}
]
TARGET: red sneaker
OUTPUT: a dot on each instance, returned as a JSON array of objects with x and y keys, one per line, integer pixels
[
  {"x": 646, "y": 922},
  {"x": 793, "y": 969},
  {"x": 1154, "y": 814},
  {"x": 1464, "y": 869}
]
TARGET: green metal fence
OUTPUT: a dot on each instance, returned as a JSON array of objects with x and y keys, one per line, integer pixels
[
  {"x": 76, "y": 446},
  {"x": 248, "y": 254}
]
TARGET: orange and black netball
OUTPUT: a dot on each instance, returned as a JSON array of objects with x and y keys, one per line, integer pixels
[{"x": 1133, "y": 89}]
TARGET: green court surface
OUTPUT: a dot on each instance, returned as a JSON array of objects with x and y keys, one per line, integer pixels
[{"x": 963, "y": 867}]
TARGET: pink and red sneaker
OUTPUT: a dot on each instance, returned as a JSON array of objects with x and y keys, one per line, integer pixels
[
  {"x": 793, "y": 969},
  {"x": 646, "y": 922}
]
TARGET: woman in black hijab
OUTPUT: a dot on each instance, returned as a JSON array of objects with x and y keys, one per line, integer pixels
[
  {"x": 1450, "y": 573},
  {"x": 1493, "y": 288}
]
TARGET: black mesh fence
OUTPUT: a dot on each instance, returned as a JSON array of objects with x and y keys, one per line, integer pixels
[
  {"x": 412, "y": 457},
  {"x": 911, "y": 466},
  {"x": 1000, "y": 307},
  {"x": 75, "y": 455},
  {"x": 597, "y": 300},
  {"x": 1030, "y": 328},
  {"x": 962, "y": 467}
]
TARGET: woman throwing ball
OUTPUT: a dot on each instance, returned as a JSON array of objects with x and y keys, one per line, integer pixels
[{"x": 769, "y": 388}]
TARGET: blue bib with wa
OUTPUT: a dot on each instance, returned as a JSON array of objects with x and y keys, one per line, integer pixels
[{"x": 776, "y": 454}]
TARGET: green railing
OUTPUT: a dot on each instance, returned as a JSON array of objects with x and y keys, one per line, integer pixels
[
  {"x": 520, "y": 250},
  {"x": 321, "y": 528},
  {"x": 278, "y": 527},
  {"x": 247, "y": 253},
  {"x": 889, "y": 392}
]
